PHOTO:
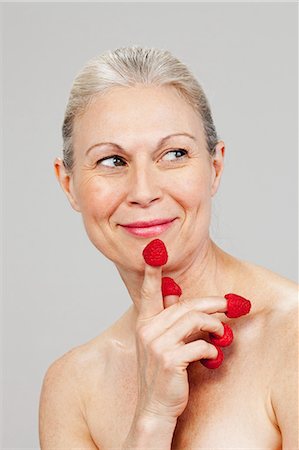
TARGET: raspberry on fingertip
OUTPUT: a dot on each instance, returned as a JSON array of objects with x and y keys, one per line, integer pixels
[
  {"x": 213, "y": 363},
  {"x": 155, "y": 253},
  {"x": 237, "y": 306},
  {"x": 170, "y": 287},
  {"x": 225, "y": 340}
]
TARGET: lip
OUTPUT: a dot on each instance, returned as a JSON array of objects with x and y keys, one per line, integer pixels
[
  {"x": 149, "y": 231},
  {"x": 150, "y": 223}
]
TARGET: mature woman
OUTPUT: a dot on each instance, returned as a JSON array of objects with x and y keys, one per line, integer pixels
[{"x": 140, "y": 146}]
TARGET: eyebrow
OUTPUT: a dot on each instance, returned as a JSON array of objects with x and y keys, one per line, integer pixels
[{"x": 161, "y": 142}]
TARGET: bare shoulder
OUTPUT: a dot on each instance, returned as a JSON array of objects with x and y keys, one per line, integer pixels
[
  {"x": 79, "y": 364},
  {"x": 278, "y": 297},
  {"x": 274, "y": 313},
  {"x": 83, "y": 369},
  {"x": 62, "y": 418},
  {"x": 275, "y": 332},
  {"x": 275, "y": 294},
  {"x": 72, "y": 372}
]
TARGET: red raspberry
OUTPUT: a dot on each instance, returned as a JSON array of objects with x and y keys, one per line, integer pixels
[
  {"x": 225, "y": 340},
  {"x": 237, "y": 306},
  {"x": 213, "y": 363},
  {"x": 155, "y": 253},
  {"x": 170, "y": 287}
]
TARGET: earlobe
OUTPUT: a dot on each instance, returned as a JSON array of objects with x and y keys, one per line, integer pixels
[{"x": 65, "y": 182}]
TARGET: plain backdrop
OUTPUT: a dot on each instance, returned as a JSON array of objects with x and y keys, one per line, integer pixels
[{"x": 58, "y": 290}]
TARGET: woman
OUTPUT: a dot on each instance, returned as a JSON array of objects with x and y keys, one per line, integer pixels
[{"x": 140, "y": 145}]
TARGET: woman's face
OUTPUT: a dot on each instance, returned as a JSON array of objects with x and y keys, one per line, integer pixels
[{"x": 136, "y": 176}]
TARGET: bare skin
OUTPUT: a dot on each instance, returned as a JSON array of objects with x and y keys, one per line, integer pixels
[
  {"x": 240, "y": 405},
  {"x": 248, "y": 402}
]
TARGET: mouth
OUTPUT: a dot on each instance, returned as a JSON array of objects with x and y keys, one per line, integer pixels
[{"x": 148, "y": 229}]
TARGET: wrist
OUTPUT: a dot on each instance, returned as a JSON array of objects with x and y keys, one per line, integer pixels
[
  {"x": 149, "y": 431},
  {"x": 150, "y": 421}
]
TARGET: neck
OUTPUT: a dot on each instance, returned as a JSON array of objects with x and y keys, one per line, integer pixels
[{"x": 209, "y": 272}]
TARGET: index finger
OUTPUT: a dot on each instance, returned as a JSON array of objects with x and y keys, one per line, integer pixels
[{"x": 233, "y": 305}]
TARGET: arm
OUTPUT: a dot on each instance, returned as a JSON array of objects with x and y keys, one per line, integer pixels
[{"x": 61, "y": 421}]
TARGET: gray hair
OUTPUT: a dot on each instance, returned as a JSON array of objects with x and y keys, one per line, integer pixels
[{"x": 129, "y": 66}]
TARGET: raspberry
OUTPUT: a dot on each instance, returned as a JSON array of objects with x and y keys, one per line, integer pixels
[
  {"x": 213, "y": 363},
  {"x": 237, "y": 306},
  {"x": 170, "y": 287},
  {"x": 155, "y": 253},
  {"x": 225, "y": 340}
]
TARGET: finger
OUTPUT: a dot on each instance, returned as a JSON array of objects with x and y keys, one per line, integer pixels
[
  {"x": 195, "y": 351},
  {"x": 171, "y": 291},
  {"x": 170, "y": 300},
  {"x": 210, "y": 305},
  {"x": 226, "y": 339},
  {"x": 151, "y": 300},
  {"x": 188, "y": 324},
  {"x": 215, "y": 362},
  {"x": 171, "y": 314},
  {"x": 237, "y": 306}
]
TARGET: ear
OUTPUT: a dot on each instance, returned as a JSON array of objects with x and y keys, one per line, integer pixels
[
  {"x": 217, "y": 166},
  {"x": 66, "y": 183}
]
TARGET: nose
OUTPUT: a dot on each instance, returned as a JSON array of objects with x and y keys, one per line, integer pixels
[{"x": 143, "y": 187}]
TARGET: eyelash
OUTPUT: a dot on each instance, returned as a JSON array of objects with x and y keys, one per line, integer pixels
[{"x": 116, "y": 156}]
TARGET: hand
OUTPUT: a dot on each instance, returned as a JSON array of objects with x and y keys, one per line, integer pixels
[{"x": 164, "y": 350}]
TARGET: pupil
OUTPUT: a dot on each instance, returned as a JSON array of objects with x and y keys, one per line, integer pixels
[{"x": 115, "y": 159}]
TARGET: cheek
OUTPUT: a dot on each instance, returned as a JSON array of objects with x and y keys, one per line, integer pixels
[
  {"x": 192, "y": 189},
  {"x": 98, "y": 199}
]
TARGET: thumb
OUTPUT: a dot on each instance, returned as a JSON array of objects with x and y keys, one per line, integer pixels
[{"x": 151, "y": 301}]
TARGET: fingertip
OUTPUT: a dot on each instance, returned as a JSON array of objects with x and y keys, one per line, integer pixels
[
  {"x": 215, "y": 362},
  {"x": 225, "y": 340},
  {"x": 237, "y": 305},
  {"x": 155, "y": 253},
  {"x": 170, "y": 300}
]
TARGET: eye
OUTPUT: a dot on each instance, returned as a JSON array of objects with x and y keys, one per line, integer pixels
[
  {"x": 177, "y": 151},
  {"x": 113, "y": 158},
  {"x": 117, "y": 161}
]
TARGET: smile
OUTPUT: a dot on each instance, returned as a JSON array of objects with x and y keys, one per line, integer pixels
[{"x": 149, "y": 231}]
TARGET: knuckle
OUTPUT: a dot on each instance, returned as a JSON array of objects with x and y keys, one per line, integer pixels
[
  {"x": 146, "y": 292},
  {"x": 163, "y": 357},
  {"x": 167, "y": 361},
  {"x": 143, "y": 333},
  {"x": 156, "y": 348}
]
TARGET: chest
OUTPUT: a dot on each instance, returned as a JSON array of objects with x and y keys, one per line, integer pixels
[{"x": 228, "y": 407}]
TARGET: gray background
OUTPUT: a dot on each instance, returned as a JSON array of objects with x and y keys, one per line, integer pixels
[{"x": 58, "y": 290}]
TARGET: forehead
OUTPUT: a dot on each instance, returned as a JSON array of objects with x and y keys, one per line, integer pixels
[{"x": 128, "y": 114}]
